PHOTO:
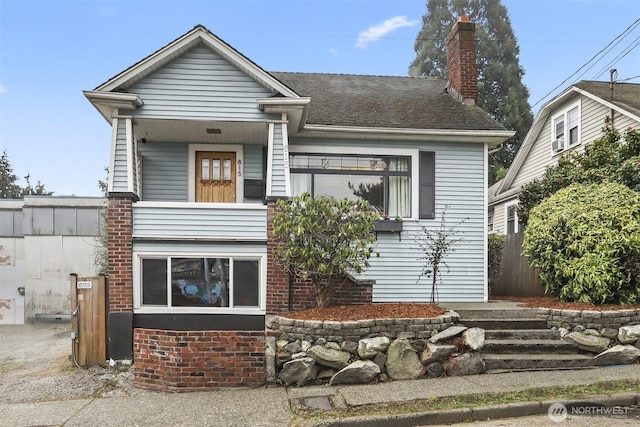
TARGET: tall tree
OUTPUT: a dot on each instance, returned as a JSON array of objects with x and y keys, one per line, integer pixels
[
  {"x": 9, "y": 188},
  {"x": 501, "y": 92}
]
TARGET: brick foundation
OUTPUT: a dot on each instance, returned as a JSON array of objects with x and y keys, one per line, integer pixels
[{"x": 198, "y": 360}]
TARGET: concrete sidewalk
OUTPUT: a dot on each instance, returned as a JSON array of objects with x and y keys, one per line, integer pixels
[{"x": 272, "y": 406}]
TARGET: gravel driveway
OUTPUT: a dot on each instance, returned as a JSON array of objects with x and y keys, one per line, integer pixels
[{"x": 35, "y": 366}]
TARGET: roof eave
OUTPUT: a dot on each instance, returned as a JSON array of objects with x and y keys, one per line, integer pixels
[
  {"x": 491, "y": 137},
  {"x": 295, "y": 108},
  {"x": 109, "y": 102}
]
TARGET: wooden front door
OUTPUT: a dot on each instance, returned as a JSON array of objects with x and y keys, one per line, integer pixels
[{"x": 215, "y": 177}]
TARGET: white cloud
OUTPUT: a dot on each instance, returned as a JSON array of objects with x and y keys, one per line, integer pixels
[
  {"x": 333, "y": 51},
  {"x": 3, "y": 90},
  {"x": 374, "y": 33}
]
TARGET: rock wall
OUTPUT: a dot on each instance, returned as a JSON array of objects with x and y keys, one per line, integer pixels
[
  {"x": 590, "y": 319},
  {"x": 288, "y": 329}
]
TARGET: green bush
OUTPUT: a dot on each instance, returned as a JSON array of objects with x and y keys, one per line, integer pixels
[
  {"x": 614, "y": 157},
  {"x": 585, "y": 239}
]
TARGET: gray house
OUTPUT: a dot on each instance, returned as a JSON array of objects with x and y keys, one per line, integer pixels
[{"x": 205, "y": 141}]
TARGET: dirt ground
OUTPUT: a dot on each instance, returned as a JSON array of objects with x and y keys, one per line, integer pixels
[{"x": 35, "y": 366}]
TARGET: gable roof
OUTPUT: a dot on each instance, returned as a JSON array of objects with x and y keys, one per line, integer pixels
[
  {"x": 199, "y": 34},
  {"x": 625, "y": 98}
]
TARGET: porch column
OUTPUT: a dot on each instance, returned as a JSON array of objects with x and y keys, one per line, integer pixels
[
  {"x": 278, "y": 299},
  {"x": 120, "y": 283}
]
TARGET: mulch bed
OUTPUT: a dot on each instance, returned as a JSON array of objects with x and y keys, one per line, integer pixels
[{"x": 354, "y": 312}]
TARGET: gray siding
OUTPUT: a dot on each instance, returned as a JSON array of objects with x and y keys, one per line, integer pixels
[
  {"x": 460, "y": 186},
  {"x": 120, "y": 165},
  {"x": 165, "y": 169},
  {"x": 200, "y": 85},
  {"x": 278, "y": 186},
  {"x": 253, "y": 161},
  {"x": 200, "y": 221}
]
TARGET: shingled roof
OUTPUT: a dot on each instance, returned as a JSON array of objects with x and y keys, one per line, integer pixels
[
  {"x": 623, "y": 95},
  {"x": 384, "y": 102}
]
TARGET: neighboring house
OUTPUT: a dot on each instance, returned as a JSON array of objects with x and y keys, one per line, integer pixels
[
  {"x": 43, "y": 240},
  {"x": 568, "y": 122},
  {"x": 205, "y": 142}
]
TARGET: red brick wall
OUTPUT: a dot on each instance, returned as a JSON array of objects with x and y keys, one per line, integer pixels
[
  {"x": 198, "y": 360},
  {"x": 277, "y": 279},
  {"x": 285, "y": 294},
  {"x": 120, "y": 231},
  {"x": 302, "y": 295}
]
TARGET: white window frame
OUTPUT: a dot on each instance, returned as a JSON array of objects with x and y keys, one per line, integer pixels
[
  {"x": 155, "y": 309},
  {"x": 564, "y": 116},
  {"x": 516, "y": 223}
]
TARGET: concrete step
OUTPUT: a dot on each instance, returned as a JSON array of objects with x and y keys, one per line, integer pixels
[
  {"x": 529, "y": 346},
  {"x": 521, "y": 334},
  {"x": 508, "y": 313},
  {"x": 504, "y": 323},
  {"x": 508, "y": 361}
]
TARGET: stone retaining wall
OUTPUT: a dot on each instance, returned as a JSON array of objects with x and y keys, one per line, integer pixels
[
  {"x": 291, "y": 329},
  {"x": 588, "y": 318}
]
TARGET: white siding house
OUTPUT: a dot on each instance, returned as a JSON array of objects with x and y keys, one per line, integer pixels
[{"x": 568, "y": 122}]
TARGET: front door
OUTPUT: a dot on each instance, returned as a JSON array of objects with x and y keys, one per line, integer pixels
[{"x": 215, "y": 177}]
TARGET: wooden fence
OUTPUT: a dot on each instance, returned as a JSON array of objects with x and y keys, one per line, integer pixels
[{"x": 517, "y": 278}]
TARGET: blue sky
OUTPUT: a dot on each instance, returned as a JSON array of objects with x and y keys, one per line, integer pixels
[{"x": 50, "y": 51}]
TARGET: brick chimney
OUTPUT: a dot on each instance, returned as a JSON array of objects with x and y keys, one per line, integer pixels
[{"x": 462, "y": 70}]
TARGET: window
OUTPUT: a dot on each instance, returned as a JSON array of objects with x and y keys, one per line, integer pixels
[
  {"x": 199, "y": 282},
  {"x": 513, "y": 226},
  {"x": 384, "y": 181},
  {"x": 566, "y": 130}
]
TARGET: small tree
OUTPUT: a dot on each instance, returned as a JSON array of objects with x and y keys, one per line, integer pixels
[
  {"x": 436, "y": 244},
  {"x": 323, "y": 239},
  {"x": 9, "y": 188},
  {"x": 585, "y": 241}
]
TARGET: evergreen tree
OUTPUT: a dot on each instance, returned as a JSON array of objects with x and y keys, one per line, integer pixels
[
  {"x": 501, "y": 92},
  {"x": 9, "y": 188}
]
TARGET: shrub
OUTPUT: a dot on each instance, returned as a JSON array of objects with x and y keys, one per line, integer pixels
[
  {"x": 322, "y": 239},
  {"x": 585, "y": 239},
  {"x": 613, "y": 157}
]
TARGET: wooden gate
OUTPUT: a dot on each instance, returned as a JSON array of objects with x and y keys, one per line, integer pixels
[
  {"x": 88, "y": 320},
  {"x": 517, "y": 278}
]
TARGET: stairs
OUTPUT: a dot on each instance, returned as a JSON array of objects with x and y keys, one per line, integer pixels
[{"x": 515, "y": 340}]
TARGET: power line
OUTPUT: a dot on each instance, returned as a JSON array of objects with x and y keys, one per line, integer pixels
[{"x": 609, "y": 46}]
